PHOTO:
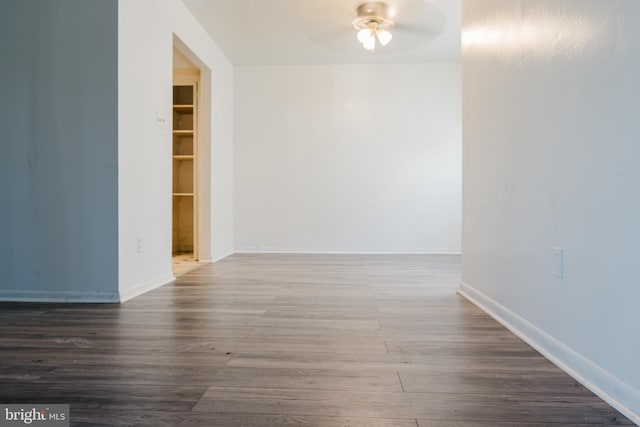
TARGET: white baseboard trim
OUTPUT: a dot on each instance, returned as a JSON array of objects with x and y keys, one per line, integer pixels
[
  {"x": 305, "y": 252},
  {"x": 220, "y": 257},
  {"x": 59, "y": 296},
  {"x": 127, "y": 294},
  {"x": 608, "y": 387}
]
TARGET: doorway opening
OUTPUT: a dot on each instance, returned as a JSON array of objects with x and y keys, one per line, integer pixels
[{"x": 189, "y": 165}]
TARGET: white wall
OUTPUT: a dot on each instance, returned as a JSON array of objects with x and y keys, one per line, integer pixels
[
  {"x": 550, "y": 109},
  {"x": 348, "y": 158},
  {"x": 146, "y": 31},
  {"x": 58, "y": 150}
]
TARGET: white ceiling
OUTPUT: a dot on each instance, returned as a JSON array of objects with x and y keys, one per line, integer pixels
[{"x": 288, "y": 32}]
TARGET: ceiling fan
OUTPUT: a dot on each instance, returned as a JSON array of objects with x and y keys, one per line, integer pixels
[
  {"x": 373, "y": 24},
  {"x": 410, "y": 23}
]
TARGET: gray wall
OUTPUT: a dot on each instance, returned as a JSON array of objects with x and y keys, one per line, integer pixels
[
  {"x": 58, "y": 149},
  {"x": 551, "y": 102}
]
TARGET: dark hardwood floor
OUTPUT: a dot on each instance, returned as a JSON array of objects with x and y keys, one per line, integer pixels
[{"x": 295, "y": 340}]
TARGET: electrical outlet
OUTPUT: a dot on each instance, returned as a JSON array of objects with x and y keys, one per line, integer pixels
[
  {"x": 558, "y": 262},
  {"x": 139, "y": 244}
]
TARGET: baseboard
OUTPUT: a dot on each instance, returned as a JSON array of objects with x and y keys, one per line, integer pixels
[
  {"x": 608, "y": 387},
  {"x": 220, "y": 257},
  {"x": 355, "y": 252},
  {"x": 127, "y": 294},
  {"x": 59, "y": 296}
]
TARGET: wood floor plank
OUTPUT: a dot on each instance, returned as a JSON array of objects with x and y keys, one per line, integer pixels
[
  {"x": 142, "y": 374},
  {"x": 112, "y": 396},
  {"x": 459, "y": 349},
  {"x": 321, "y": 379},
  {"x": 295, "y": 340},
  {"x": 325, "y": 324},
  {"x": 495, "y": 383},
  {"x": 372, "y": 361}
]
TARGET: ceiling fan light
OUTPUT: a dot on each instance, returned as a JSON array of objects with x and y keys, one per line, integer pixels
[
  {"x": 364, "y": 35},
  {"x": 384, "y": 37},
  {"x": 370, "y": 44}
]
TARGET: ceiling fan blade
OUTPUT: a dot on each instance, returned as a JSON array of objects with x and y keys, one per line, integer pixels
[
  {"x": 335, "y": 38},
  {"x": 418, "y": 16},
  {"x": 427, "y": 30},
  {"x": 329, "y": 25}
]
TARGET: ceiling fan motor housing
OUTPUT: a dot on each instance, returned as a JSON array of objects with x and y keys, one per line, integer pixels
[{"x": 372, "y": 15}]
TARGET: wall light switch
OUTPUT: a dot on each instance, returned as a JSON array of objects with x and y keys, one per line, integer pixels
[
  {"x": 161, "y": 121},
  {"x": 558, "y": 262},
  {"x": 139, "y": 244}
]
